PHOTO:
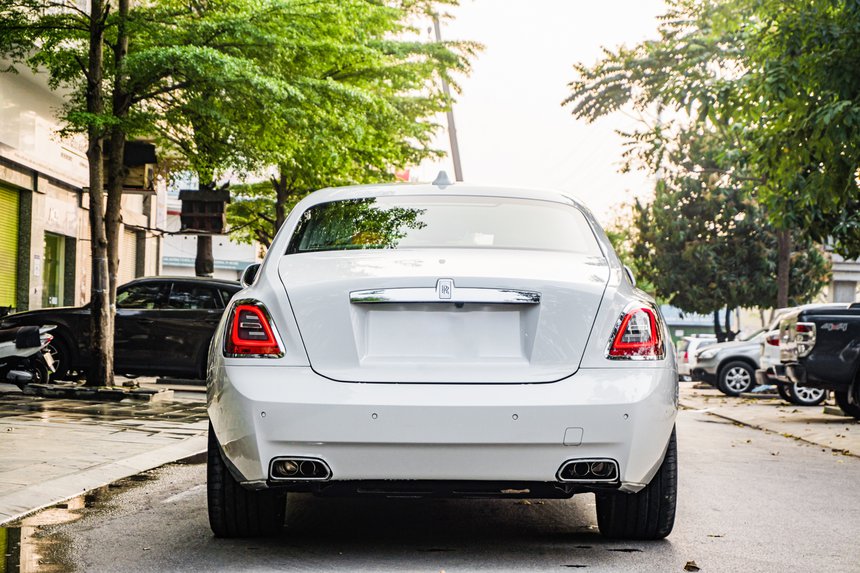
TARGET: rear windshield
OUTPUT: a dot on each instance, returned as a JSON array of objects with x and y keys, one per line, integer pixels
[{"x": 422, "y": 222}]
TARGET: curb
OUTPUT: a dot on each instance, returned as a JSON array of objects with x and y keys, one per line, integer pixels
[
  {"x": 22, "y": 502},
  {"x": 112, "y": 394}
]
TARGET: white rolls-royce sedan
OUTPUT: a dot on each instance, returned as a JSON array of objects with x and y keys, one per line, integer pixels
[{"x": 442, "y": 340}]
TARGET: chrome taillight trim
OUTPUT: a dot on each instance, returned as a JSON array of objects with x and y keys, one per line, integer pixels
[
  {"x": 262, "y": 308},
  {"x": 658, "y": 320},
  {"x": 805, "y": 340}
]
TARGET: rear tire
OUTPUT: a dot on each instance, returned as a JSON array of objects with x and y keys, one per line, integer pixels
[
  {"x": 784, "y": 391},
  {"x": 806, "y": 396},
  {"x": 852, "y": 410},
  {"x": 235, "y": 511},
  {"x": 40, "y": 370},
  {"x": 647, "y": 514},
  {"x": 735, "y": 378}
]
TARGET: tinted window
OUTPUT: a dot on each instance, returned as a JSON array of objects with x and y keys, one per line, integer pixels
[
  {"x": 193, "y": 297},
  {"x": 145, "y": 296},
  {"x": 443, "y": 222}
]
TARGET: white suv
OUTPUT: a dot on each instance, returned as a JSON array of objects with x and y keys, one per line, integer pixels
[{"x": 442, "y": 340}]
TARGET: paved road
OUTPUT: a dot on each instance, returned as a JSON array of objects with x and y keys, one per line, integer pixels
[{"x": 749, "y": 501}]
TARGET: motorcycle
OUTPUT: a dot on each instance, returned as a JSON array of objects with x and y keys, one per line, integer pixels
[{"x": 24, "y": 357}]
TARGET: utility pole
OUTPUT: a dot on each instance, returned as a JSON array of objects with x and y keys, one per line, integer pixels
[{"x": 452, "y": 129}]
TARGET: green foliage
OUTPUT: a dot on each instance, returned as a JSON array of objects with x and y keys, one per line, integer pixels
[
  {"x": 624, "y": 236},
  {"x": 368, "y": 111},
  {"x": 777, "y": 82},
  {"x": 329, "y": 92},
  {"x": 705, "y": 247}
]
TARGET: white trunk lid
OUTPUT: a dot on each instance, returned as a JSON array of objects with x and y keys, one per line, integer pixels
[{"x": 385, "y": 316}]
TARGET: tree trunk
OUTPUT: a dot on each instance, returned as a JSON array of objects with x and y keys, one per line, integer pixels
[
  {"x": 116, "y": 167},
  {"x": 721, "y": 337},
  {"x": 282, "y": 194},
  {"x": 204, "y": 264},
  {"x": 100, "y": 372},
  {"x": 729, "y": 334},
  {"x": 783, "y": 268}
]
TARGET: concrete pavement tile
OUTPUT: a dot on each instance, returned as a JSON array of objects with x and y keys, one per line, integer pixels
[
  {"x": 811, "y": 424},
  {"x": 54, "y": 449}
]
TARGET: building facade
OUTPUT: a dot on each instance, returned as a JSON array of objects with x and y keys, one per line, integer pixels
[{"x": 44, "y": 205}]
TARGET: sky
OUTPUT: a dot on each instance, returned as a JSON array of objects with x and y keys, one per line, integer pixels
[{"x": 511, "y": 127}]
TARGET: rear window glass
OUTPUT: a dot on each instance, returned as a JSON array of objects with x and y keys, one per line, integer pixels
[{"x": 419, "y": 222}]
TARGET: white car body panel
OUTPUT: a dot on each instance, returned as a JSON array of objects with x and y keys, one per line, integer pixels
[
  {"x": 375, "y": 401},
  {"x": 437, "y": 343}
]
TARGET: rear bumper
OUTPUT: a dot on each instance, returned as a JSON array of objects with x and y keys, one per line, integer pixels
[
  {"x": 798, "y": 374},
  {"x": 505, "y": 432}
]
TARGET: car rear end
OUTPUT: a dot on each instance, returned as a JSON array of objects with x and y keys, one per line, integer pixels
[
  {"x": 819, "y": 348},
  {"x": 472, "y": 343}
]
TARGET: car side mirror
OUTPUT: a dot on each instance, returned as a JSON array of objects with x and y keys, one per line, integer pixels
[
  {"x": 630, "y": 276},
  {"x": 249, "y": 275}
]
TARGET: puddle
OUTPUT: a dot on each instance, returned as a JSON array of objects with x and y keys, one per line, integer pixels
[
  {"x": 31, "y": 545},
  {"x": 34, "y": 543}
]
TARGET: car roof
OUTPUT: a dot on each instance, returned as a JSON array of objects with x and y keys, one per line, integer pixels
[
  {"x": 455, "y": 189},
  {"x": 211, "y": 281}
]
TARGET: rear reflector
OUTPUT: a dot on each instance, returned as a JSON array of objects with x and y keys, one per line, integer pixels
[
  {"x": 637, "y": 336},
  {"x": 251, "y": 333}
]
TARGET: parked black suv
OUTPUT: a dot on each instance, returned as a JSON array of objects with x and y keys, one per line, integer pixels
[
  {"x": 163, "y": 327},
  {"x": 820, "y": 347}
]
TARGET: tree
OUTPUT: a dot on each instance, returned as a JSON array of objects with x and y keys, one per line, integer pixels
[
  {"x": 379, "y": 119},
  {"x": 706, "y": 244},
  {"x": 223, "y": 82},
  {"x": 775, "y": 81}
]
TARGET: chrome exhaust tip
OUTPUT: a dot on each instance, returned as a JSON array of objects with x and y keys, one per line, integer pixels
[
  {"x": 589, "y": 471},
  {"x": 298, "y": 469}
]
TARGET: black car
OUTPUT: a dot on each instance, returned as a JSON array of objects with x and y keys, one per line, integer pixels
[
  {"x": 163, "y": 327},
  {"x": 820, "y": 348}
]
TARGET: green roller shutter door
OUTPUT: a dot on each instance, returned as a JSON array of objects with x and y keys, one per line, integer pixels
[{"x": 8, "y": 246}]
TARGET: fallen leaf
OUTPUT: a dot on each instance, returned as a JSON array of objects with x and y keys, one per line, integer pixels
[
  {"x": 714, "y": 535},
  {"x": 691, "y": 566}
]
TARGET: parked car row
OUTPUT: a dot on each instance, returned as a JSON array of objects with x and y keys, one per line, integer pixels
[{"x": 780, "y": 355}]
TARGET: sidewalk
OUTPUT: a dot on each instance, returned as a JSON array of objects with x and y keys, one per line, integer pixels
[
  {"x": 768, "y": 412},
  {"x": 54, "y": 449}
]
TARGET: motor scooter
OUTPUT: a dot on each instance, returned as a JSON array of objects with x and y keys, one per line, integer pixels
[{"x": 24, "y": 357}]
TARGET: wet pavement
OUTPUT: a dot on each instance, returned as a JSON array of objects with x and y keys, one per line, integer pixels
[
  {"x": 54, "y": 449},
  {"x": 741, "y": 509}
]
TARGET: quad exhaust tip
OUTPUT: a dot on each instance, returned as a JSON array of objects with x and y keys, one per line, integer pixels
[
  {"x": 589, "y": 471},
  {"x": 298, "y": 469}
]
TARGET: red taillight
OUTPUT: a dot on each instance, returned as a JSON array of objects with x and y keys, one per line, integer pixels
[
  {"x": 804, "y": 327},
  {"x": 686, "y": 356},
  {"x": 251, "y": 333},
  {"x": 772, "y": 338},
  {"x": 637, "y": 336}
]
